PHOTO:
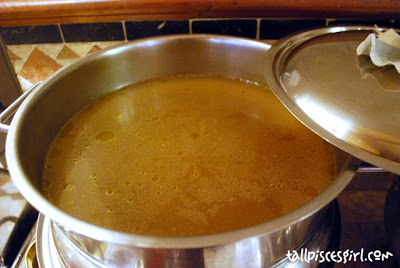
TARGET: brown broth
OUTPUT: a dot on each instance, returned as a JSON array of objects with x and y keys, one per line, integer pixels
[{"x": 183, "y": 156}]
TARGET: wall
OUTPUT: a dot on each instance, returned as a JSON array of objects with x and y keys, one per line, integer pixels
[{"x": 43, "y": 36}]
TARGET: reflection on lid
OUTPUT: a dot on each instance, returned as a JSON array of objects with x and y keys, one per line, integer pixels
[
  {"x": 387, "y": 76},
  {"x": 337, "y": 126},
  {"x": 319, "y": 77}
]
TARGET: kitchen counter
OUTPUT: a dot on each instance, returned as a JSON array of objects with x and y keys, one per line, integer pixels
[{"x": 20, "y": 12}]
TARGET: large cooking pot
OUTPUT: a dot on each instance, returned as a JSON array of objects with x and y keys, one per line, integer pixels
[{"x": 51, "y": 104}]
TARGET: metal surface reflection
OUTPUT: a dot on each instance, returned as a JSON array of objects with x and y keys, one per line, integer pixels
[
  {"x": 60, "y": 249},
  {"x": 337, "y": 126},
  {"x": 318, "y": 76}
]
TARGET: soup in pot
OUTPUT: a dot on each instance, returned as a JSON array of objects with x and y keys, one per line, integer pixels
[{"x": 183, "y": 156}]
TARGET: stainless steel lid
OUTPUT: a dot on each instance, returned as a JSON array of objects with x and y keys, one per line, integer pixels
[{"x": 341, "y": 96}]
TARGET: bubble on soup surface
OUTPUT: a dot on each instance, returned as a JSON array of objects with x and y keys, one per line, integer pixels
[
  {"x": 105, "y": 136},
  {"x": 109, "y": 192},
  {"x": 68, "y": 187}
]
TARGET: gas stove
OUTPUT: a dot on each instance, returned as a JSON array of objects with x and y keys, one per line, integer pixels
[{"x": 17, "y": 219}]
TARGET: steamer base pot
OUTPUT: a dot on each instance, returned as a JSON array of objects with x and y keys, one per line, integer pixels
[
  {"x": 57, "y": 99},
  {"x": 55, "y": 248}
]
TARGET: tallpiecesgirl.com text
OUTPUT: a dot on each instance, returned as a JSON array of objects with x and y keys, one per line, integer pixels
[{"x": 304, "y": 255}]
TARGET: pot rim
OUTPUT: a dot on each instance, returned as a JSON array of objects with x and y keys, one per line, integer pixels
[{"x": 33, "y": 196}]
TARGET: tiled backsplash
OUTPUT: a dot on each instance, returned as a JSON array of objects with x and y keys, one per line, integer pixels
[
  {"x": 130, "y": 30},
  {"x": 38, "y": 51},
  {"x": 35, "y": 62}
]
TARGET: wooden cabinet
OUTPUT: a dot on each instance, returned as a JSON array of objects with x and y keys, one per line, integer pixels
[{"x": 26, "y": 12}]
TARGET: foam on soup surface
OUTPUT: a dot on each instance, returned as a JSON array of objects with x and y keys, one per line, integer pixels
[{"x": 183, "y": 156}]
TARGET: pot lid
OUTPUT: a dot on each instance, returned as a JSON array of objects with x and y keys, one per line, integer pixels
[{"x": 342, "y": 97}]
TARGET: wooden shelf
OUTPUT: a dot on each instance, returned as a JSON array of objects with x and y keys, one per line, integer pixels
[{"x": 19, "y": 12}]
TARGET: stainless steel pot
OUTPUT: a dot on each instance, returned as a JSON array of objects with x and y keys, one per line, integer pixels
[{"x": 57, "y": 99}]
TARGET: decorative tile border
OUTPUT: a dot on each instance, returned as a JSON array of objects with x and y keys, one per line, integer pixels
[
  {"x": 258, "y": 28},
  {"x": 36, "y": 34},
  {"x": 142, "y": 29},
  {"x": 275, "y": 29},
  {"x": 240, "y": 27},
  {"x": 89, "y": 32}
]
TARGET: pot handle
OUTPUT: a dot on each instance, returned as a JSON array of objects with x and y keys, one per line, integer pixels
[{"x": 8, "y": 113}]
